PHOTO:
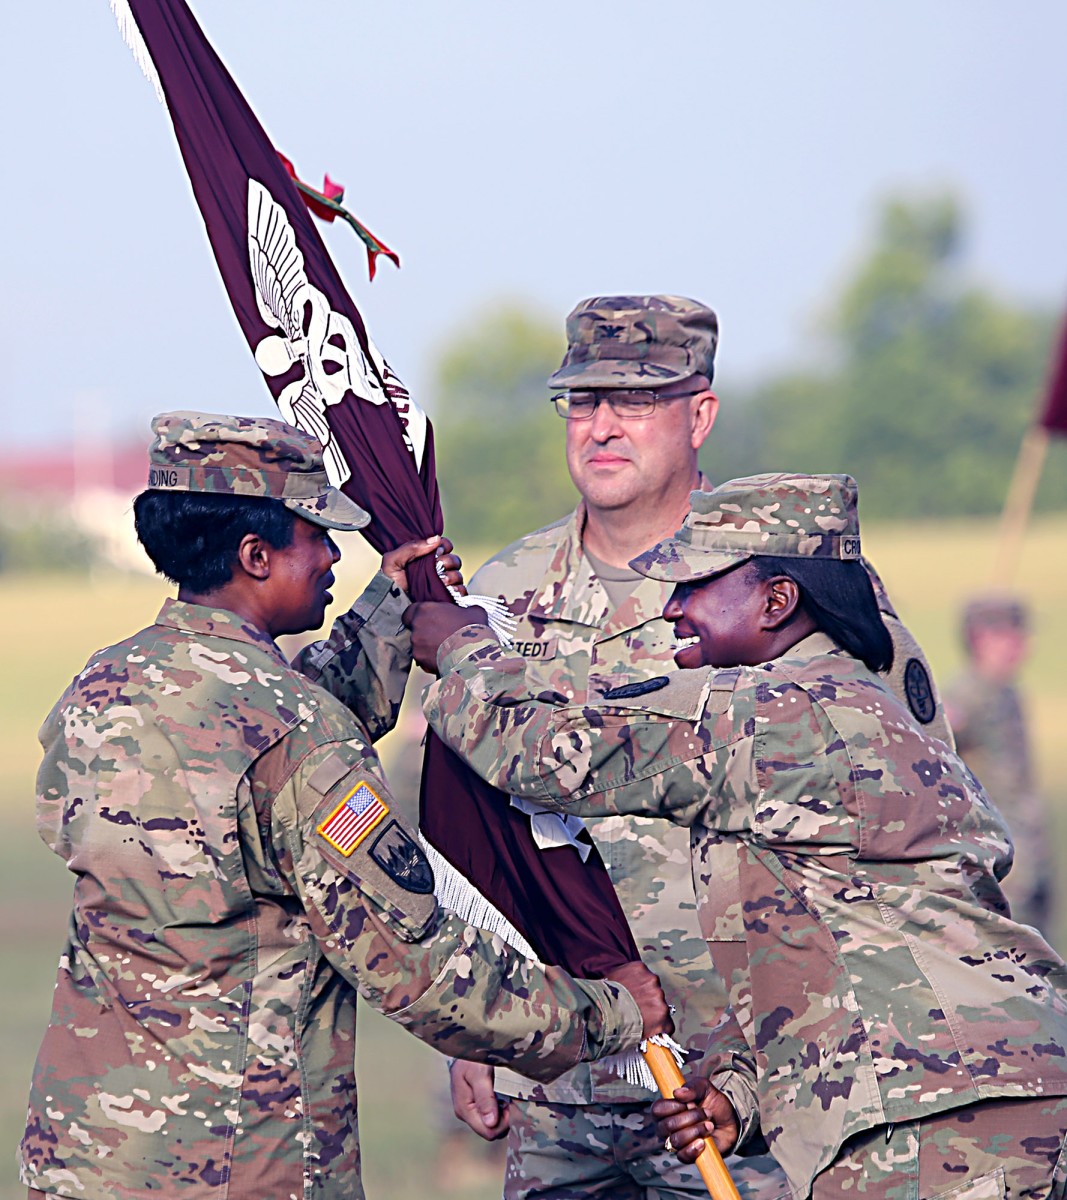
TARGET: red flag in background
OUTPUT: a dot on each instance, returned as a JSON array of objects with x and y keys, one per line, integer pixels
[
  {"x": 328, "y": 379},
  {"x": 1019, "y": 503},
  {"x": 1054, "y": 414}
]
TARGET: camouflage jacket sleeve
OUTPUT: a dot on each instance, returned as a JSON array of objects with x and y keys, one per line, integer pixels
[
  {"x": 588, "y": 758},
  {"x": 731, "y": 1067},
  {"x": 991, "y": 736},
  {"x": 371, "y": 910},
  {"x": 367, "y": 657}
]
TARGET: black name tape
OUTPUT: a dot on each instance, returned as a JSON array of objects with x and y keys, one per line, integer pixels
[{"x": 627, "y": 691}]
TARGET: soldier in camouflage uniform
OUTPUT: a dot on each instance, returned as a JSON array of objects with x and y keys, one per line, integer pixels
[
  {"x": 239, "y": 873},
  {"x": 589, "y": 622},
  {"x": 989, "y": 720},
  {"x": 892, "y": 1032}
]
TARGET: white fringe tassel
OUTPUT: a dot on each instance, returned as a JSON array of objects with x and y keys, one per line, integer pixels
[
  {"x": 501, "y": 622},
  {"x": 131, "y": 35},
  {"x": 458, "y": 894},
  {"x": 631, "y": 1066}
]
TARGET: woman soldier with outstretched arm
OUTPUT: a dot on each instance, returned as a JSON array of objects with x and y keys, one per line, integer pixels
[{"x": 893, "y": 1031}]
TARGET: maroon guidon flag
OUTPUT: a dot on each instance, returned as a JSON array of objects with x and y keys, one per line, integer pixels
[
  {"x": 327, "y": 378},
  {"x": 1053, "y": 416}
]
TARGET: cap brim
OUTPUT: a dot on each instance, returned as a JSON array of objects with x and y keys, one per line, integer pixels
[
  {"x": 616, "y": 372},
  {"x": 677, "y": 562},
  {"x": 333, "y": 510}
]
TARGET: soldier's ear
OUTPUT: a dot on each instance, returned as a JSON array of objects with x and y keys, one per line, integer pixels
[
  {"x": 781, "y": 601},
  {"x": 253, "y": 556},
  {"x": 705, "y": 408}
]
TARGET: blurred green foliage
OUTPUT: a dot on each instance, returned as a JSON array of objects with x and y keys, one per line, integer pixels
[
  {"x": 33, "y": 539},
  {"x": 499, "y": 442},
  {"x": 928, "y": 386}
]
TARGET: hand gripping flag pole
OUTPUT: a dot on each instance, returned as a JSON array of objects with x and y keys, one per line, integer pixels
[
  {"x": 714, "y": 1172},
  {"x": 327, "y": 377}
]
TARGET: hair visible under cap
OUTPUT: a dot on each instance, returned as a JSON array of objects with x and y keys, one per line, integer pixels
[
  {"x": 192, "y": 538},
  {"x": 839, "y": 597}
]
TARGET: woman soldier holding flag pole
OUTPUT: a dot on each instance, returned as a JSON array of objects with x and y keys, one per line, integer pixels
[{"x": 894, "y": 1032}]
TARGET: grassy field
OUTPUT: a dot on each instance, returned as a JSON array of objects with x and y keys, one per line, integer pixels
[{"x": 54, "y": 623}]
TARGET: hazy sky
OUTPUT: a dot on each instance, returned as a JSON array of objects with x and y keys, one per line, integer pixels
[{"x": 731, "y": 152}]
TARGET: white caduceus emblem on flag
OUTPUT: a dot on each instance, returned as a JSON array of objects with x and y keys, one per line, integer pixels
[
  {"x": 325, "y": 344},
  {"x": 322, "y": 341}
]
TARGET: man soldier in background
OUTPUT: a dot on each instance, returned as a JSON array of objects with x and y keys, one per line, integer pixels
[
  {"x": 989, "y": 720},
  {"x": 634, "y": 390},
  {"x": 240, "y": 869}
]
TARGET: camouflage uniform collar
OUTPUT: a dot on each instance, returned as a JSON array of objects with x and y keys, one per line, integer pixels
[
  {"x": 815, "y": 645},
  {"x": 643, "y": 604},
  {"x": 571, "y": 592},
  {"x": 216, "y": 622},
  {"x": 563, "y": 594}
]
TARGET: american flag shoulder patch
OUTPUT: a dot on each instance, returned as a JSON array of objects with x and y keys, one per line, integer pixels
[{"x": 356, "y": 815}]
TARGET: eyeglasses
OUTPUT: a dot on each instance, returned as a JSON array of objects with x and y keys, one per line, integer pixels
[{"x": 627, "y": 405}]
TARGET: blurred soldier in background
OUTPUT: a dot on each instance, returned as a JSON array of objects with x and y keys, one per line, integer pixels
[{"x": 989, "y": 720}]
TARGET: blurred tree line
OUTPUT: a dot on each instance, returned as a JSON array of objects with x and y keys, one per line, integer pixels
[
  {"x": 499, "y": 442},
  {"x": 925, "y": 386},
  {"x": 35, "y": 540}
]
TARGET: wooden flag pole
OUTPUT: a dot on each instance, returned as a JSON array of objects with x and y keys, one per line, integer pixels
[
  {"x": 709, "y": 1162},
  {"x": 1020, "y": 501}
]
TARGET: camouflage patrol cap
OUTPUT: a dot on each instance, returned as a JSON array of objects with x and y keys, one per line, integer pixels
[
  {"x": 995, "y": 611},
  {"x": 248, "y": 456},
  {"x": 786, "y": 516},
  {"x": 637, "y": 341}
]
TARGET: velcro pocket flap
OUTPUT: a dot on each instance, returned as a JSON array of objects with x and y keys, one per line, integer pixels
[{"x": 683, "y": 694}]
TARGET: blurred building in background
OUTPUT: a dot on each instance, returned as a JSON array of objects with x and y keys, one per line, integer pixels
[{"x": 67, "y": 507}]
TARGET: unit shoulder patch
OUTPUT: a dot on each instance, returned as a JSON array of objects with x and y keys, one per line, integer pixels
[
  {"x": 403, "y": 859},
  {"x": 919, "y": 691}
]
